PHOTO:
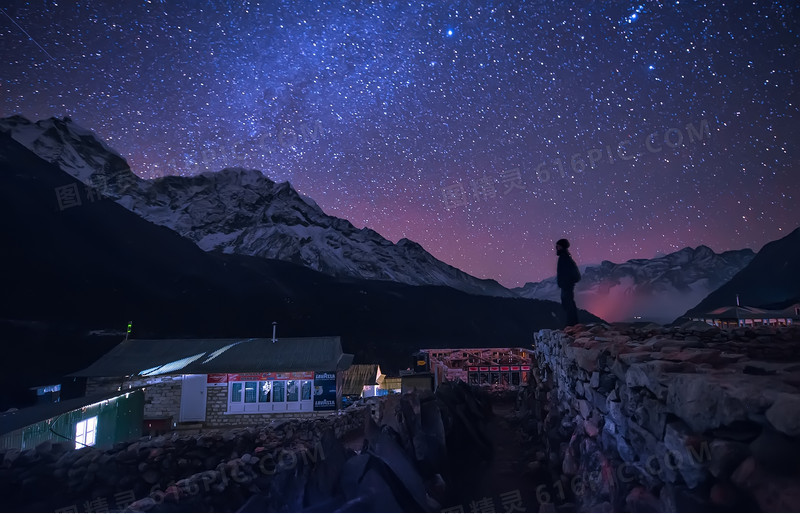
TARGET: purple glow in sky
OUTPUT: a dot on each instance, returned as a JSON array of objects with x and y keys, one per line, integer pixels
[{"x": 482, "y": 130}]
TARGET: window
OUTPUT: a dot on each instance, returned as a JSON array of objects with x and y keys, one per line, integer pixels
[
  {"x": 264, "y": 392},
  {"x": 250, "y": 392},
  {"x": 86, "y": 432},
  {"x": 278, "y": 388},
  {"x": 291, "y": 391},
  {"x": 268, "y": 395},
  {"x": 236, "y": 392},
  {"x": 250, "y": 396}
]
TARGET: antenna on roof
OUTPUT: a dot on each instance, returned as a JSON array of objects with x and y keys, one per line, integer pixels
[
  {"x": 274, "y": 328},
  {"x": 128, "y": 332}
]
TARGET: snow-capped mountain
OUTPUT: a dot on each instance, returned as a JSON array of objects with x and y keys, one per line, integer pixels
[
  {"x": 241, "y": 211},
  {"x": 771, "y": 280},
  {"x": 77, "y": 151},
  {"x": 658, "y": 289}
]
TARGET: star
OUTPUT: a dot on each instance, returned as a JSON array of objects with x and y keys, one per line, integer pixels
[{"x": 510, "y": 129}]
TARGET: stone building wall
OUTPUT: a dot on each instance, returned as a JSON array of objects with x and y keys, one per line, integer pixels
[
  {"x": 670, "y": 419},
  {"x": 162, "y": 398},
  {"x": 162, "y": 394}
]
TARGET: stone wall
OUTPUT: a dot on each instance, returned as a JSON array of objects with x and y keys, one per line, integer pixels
[
  {"x": 162, "y": 395},
  {"x": 670, "y": 419},
  {"x": 409, "y": 443},
  {"x": 213, "y": 471},
  {"x": 163, "y": 399}
]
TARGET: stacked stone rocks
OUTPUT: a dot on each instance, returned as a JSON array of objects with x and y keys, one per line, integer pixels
[
  {"x": 409, "y": 443},
  {"x": 691, "y": 417},
  {"x": 214, "y": 470},
  {"x": 288, "y": 466}
]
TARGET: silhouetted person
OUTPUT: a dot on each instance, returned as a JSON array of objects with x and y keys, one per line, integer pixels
[{"x": 567, "y": 275}]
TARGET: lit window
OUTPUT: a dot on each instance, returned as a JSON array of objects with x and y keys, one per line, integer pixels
[
  {"x": 264, "y": 391},
  {"x": 86, "y": 432}
]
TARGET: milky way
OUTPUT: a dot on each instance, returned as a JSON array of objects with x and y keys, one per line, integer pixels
[{"x": 482, "y": 130}]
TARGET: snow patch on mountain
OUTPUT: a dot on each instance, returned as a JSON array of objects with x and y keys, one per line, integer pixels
[
  {"x": 658, "y": 289},
  {"x": 241, "y": 211}
]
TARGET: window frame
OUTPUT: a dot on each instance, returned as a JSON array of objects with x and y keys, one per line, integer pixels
[
  {"x": 83, "y": 430},
  {"x": 277, "y": 396}
]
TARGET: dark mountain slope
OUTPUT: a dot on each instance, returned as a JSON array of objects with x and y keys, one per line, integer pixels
[
  {"x": 771, "y": 280},
  {"x": 98, "y": 265}
]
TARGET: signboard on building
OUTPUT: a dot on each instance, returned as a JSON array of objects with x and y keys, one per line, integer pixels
[
  {"x": 324, "y": 390},
  {"x": 217, "y": 378},
  {"x": 222, "y": 378}
]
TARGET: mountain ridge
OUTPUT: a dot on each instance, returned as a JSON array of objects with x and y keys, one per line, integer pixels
[
  {"x": 770, "y": 280},
  {"x": 658, "y": 289},
  {"x": 242, "y": 211},
  {"x": 238, "y": 210}
]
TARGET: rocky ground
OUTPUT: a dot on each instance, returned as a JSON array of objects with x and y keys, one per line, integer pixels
[
  {"x": 391, "y": 454},
  {"x": 507, "y": 480},
  {"x": 215, "y": 470}
]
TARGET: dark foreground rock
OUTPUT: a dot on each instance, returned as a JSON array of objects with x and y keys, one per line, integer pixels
[
  {"x": 211, "y": 471},
  {"x": 292, "y": 466},
  {"x": 405, "y": 464}
]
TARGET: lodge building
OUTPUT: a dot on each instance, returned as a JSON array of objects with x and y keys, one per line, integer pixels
[
  {"x": 218, "y": 382},
  {"x": 742, "y": 316},
  {"x": 493, "y": 367},
  {"x": 157, "y": 385}
]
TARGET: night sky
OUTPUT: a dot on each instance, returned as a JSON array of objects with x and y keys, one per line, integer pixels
[{"x": 444, "y": 122}]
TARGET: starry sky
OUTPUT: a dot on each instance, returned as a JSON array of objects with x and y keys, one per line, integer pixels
[{"x": 482, "y": 130}]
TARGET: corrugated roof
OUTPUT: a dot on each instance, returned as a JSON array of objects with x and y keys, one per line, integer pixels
[
  {"x": 734, "y": 312},
  {"x": 741, "y": 312},
  {"x": 357, "y": 376},
  {"x": 788, "y": 312},
  {"x": 148, "y": 357}
]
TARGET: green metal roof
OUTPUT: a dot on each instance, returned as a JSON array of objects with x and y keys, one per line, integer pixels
[
  {"x": 150, "y": 357},
  {"x": 14, "y": 419}
]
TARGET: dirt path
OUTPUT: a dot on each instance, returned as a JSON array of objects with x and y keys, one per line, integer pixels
[
  {"x": 354, "y": 440},
  {"x": 505, "y": 483}
]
